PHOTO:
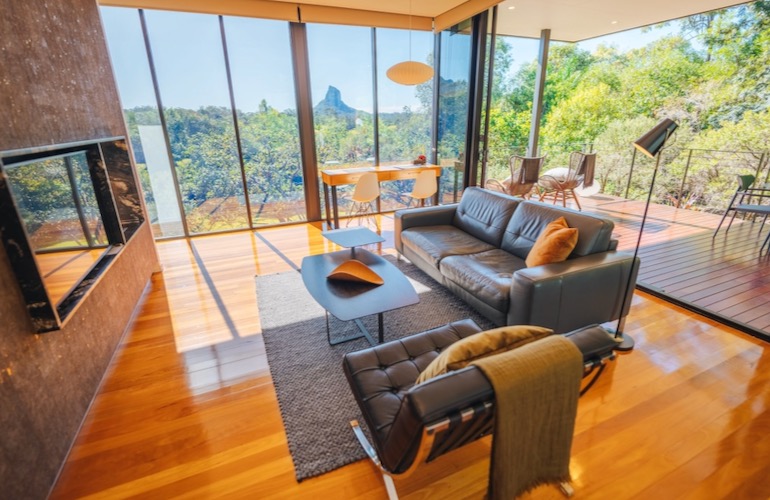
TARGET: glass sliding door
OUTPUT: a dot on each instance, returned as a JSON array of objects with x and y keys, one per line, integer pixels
[
  {"x": 453, "y": 103},
  {"x": 263, "y": 87},
  {"x": 511, "y": 108},
  {"x": 189, "y": 62},
  {"x": 140, "y": 108}
]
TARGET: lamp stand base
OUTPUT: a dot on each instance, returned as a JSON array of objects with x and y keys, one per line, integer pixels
[{"x": 623, "y": 341}]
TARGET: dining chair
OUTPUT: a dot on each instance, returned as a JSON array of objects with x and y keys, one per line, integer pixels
[
  {"x": 366, "y": 191},
  {"x": 525, "y": 172},
  {"x": 579, "y": 173},
  {"x": 425, "y": 186}
]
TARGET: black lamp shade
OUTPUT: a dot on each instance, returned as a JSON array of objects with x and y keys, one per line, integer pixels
[{"x": 652, "y": 142}]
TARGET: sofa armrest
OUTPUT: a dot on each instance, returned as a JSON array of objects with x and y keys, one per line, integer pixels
[
  {"x": 441, "y": 215},
  {"x": 574, "y": 293}
]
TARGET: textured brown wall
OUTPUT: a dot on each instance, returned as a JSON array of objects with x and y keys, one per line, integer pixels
[
  {"x": 56, "y": 86},
  {"x": 56, "y": 83}
]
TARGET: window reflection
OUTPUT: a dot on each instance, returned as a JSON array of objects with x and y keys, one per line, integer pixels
[{"x": 56, "y": 199}]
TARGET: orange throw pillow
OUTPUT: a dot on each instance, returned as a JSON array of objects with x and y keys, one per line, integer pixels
[{"x": 554, "y": 244}]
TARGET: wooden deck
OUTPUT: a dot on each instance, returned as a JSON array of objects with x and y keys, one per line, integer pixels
[{"x": 725, "y": 276}]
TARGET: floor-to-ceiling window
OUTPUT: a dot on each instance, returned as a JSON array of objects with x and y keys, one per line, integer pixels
[
  {"x": 510, "y": 115},
  {"x": 342, "y": 94},
  {"x": 263, "y": 89},
  {"x": 140, "y": 108},
  {"x": 404, "y": 111},
  {"x": 189, "y": 62},
  {"x": 211, "y": 105}
]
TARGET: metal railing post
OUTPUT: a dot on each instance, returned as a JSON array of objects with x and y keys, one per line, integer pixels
[
  {"x": 759, "y": 166},
  {"x": 684, "y": 180},
  {"x": 630, "y": 173}
]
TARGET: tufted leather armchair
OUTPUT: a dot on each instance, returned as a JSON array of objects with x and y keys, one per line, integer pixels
[{"x": 413, "y": 424}]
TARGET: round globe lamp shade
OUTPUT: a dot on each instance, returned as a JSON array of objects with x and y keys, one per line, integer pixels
[{"x": 410, "y": 73}]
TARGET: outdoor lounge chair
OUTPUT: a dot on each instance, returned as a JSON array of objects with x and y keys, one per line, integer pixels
[
  {"x": 525, "y": 172},
  {"x": 579, "y": 173}
]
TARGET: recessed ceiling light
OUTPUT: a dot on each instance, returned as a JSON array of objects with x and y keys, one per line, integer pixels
[
  {"x": 613, "y": 22},
  {"x": 511, "y": 7}
]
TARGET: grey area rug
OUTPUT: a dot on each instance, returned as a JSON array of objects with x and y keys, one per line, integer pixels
[{"x": 315, "y": 399}]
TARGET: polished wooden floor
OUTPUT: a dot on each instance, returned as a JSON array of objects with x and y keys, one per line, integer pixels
[{"x": 188, "y": 409}]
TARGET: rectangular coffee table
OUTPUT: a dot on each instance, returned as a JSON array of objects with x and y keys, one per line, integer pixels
[{"x": 352, "y": 300}]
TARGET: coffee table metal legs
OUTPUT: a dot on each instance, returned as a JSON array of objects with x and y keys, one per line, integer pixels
[{"x": 364, "y": 333}]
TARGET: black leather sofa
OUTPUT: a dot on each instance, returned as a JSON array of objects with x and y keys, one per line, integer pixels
[{"x": 477, "y": 249}]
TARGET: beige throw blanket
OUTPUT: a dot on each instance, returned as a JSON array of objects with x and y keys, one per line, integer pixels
[{"x": 536, "y": 394}]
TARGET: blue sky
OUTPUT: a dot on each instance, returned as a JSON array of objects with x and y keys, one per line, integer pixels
[
  {"x": 525, "y": 49},
  {"x": 189, "y": 60},
  {"x": 188, "y": 56}
]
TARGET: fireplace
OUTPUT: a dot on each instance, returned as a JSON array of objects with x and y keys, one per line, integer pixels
[{"x": 66, "y": 211}]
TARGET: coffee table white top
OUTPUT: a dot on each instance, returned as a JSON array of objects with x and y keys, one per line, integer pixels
[{"x": 353, "y": 237}]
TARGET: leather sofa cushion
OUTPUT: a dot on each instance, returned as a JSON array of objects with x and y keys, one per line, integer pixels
[
  {"x": 434, "y": 243},
  {"x": 484, "y": 214},
  {"x": 530, "y": 219},
  {"x": 487, "y": 275},
  {"x": 380, "y": 375}
]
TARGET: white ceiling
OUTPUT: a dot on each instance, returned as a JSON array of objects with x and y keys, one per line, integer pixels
[
  {"x": 576, "y": 20},
  {"x": 568, "y": 20}
]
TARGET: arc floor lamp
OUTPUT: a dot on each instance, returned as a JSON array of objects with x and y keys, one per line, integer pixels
[{"x": 650, "y": 144}]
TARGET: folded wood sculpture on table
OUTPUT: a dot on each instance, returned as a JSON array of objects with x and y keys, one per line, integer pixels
[{"x": 355, "y": 270}]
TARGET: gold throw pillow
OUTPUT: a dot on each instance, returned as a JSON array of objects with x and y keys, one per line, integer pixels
[
  {"x": 479, "y": 345},
  {"x": 554, "y": 244}
]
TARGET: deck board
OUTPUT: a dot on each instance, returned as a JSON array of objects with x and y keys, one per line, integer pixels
[{"x": 725, "y": 275}]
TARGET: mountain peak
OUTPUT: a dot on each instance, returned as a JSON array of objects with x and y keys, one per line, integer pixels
[{"x": 333, "y": 104}]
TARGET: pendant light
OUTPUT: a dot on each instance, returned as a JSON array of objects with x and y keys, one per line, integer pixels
[{"x": 410, "y": 72}]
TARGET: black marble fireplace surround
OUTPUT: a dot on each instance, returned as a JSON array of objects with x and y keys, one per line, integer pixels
[{"x": 117, "y": 196}]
